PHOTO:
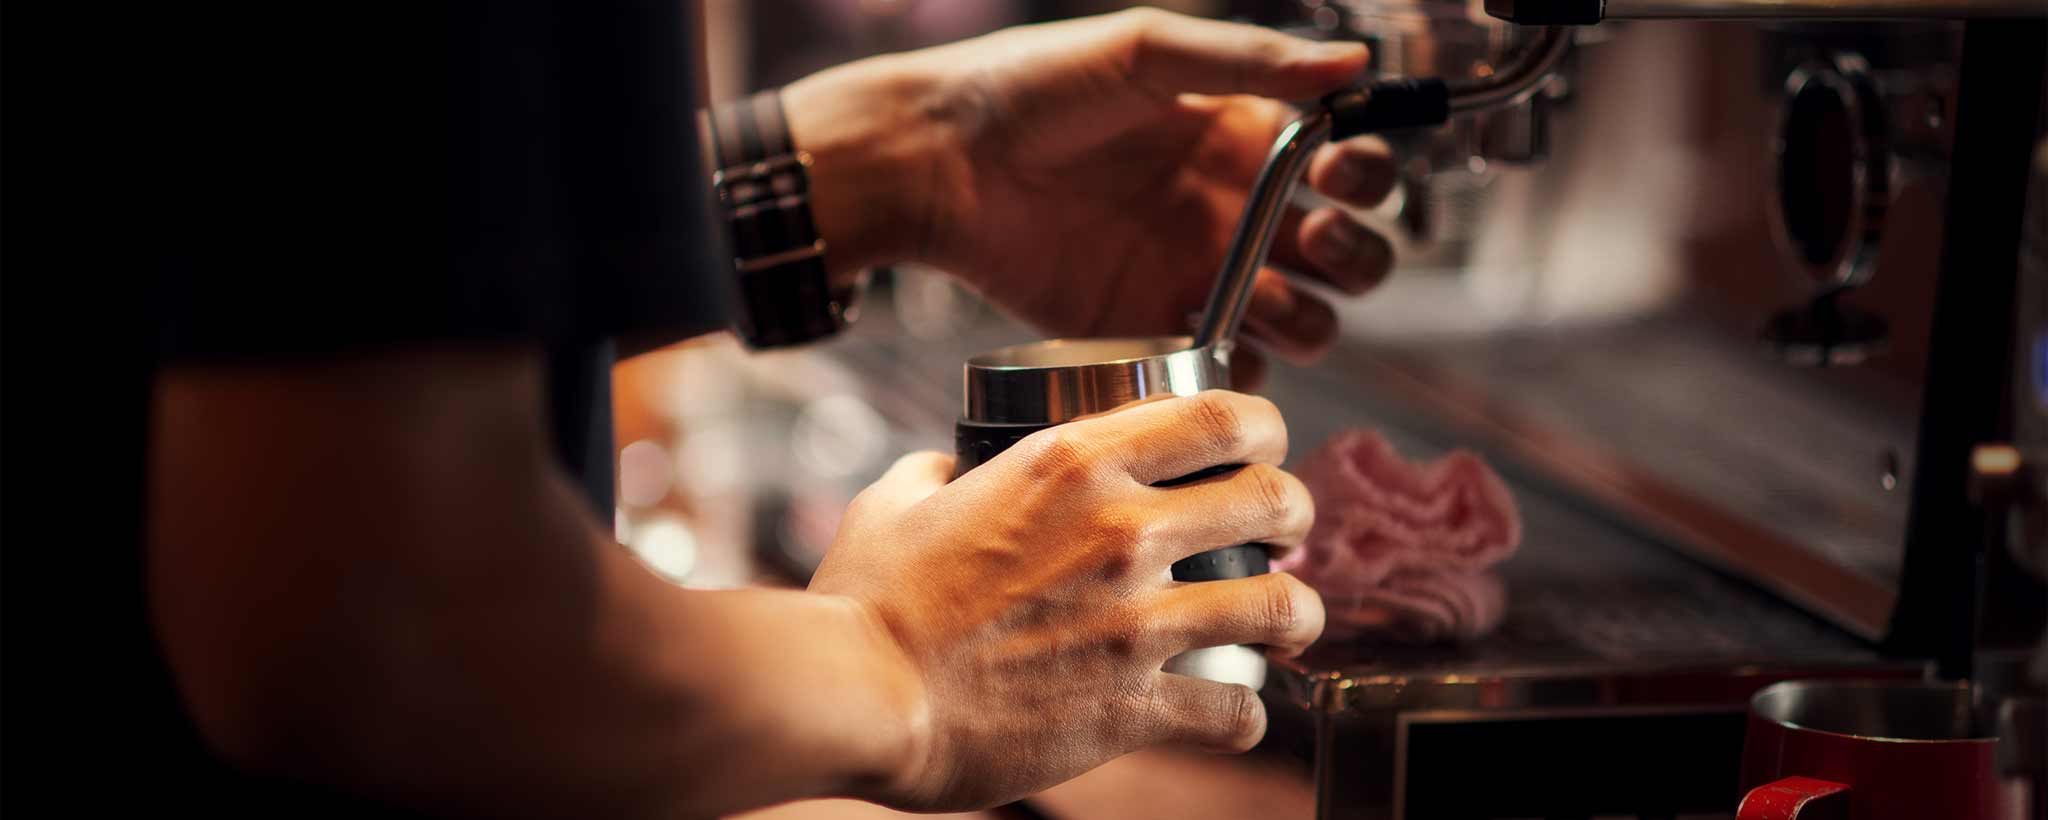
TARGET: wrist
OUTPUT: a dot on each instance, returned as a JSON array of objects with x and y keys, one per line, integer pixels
[
  {"x": 880, "y": 160},
  {"x": 895, "y": 746}
]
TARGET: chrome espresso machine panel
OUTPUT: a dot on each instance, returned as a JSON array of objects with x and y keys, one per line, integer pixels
[{"x": 1811, "y": 452}]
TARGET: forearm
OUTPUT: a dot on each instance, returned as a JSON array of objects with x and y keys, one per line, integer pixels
[
  {"x": 459, "y": 634},
  {"x": 877, "y": 134},
  {"x": 663, "y": 702},
  {"x": 622, "y": 691}
]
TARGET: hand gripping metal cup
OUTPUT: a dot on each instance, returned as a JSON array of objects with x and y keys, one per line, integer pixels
[{"x": 1013, "y": 392}]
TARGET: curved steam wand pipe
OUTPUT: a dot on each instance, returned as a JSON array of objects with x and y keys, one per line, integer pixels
[
  {"x": 1233, "y": 290},
  {"x": 1518, "y": 81},
  {"x": 1381, "y": 106}
]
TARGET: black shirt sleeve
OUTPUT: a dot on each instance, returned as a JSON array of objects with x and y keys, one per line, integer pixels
[
  {"x": 301, "y": 180},
  {"x": 335, "y": 177}
]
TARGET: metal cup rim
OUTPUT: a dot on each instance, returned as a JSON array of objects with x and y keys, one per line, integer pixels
[
  {"x": 1000, "y": 360},
  {"x": 1761, "y": 706}
]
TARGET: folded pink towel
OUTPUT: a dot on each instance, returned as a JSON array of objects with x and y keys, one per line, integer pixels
[
  {"x": 1402, "y": 549},
  {"x": 1420, "y": 607}
]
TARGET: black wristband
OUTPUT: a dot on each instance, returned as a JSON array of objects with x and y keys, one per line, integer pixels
[{"x": 784, "y": 293}]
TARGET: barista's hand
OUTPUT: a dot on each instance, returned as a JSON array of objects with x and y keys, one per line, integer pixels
[
  {"x": 1087, "y": 175},
  {"x": 1030, "y": 599}
]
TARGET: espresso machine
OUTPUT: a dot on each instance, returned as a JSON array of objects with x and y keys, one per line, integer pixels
[
  {"x": 1642, "y": 683},
  {"x": 1819, "y": 458},
  {"x": 1894, "y": 123}
]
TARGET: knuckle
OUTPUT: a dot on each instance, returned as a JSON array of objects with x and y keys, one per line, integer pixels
[
  {"x": 1137, "y": 28},
  {"x": 1261, "y": 405},
  {"x": 1283, "y": 611},
  {"x": 1122, "y": 538},
  {"x": 1276, "y": 496},
  {"x": 1245, "y": 719},
  {"x": 1122, "y": 530},
  {"x": 1122, "y": 646},
  {"x": 864, "y": 505},
  {"x": 1262, "y": 408},
  {"x": 1215, "y": 417},
  {"x": 1059, "y": 453},
  {"x": 932, "y": 461},
  {"x": 1299, "y": 514},
  {"x": 1123, "y": 635},
  {"x": 1116, "y": 564},
  {"x": 1142, "y": 17},
  {"x": 1309, "y": 616},
  {"x": 1133, "y": 643}
]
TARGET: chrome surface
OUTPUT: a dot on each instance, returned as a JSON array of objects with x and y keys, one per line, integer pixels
[
  {"x": 1359, "y": 715},
  {"x": 1248, "y": 246},
  {"x": 1514, "y": 82},
  {"x": 1851, "y": 597},
  {"x": 1422, "y": 38},
  {"x": 1454, "y": 40},
  {"x": 1518, "y": 134},
  {"x": 1842, "y": 85},
  {"x": 1893, "y": 710},
  {"x": 1367, "y": 689},
  {"x": 1058, "y": 380}
]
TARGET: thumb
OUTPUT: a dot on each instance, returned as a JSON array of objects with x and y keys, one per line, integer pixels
[
  {"x": 1174, "y": 54},
  {"x": 909, "y": 481}
]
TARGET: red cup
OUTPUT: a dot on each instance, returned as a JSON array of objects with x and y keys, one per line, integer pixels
[{"x": 1866, "y": 750}]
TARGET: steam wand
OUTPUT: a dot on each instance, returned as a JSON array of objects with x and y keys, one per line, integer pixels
[{"x": 1381, "y": 106}]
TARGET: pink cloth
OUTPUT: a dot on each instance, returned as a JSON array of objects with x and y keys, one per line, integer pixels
[
  {"x": 1402, "y": 549},
  {"x": 1420, "y": 608}
]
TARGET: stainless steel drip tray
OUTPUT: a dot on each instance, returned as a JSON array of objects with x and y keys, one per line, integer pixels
[
  {"x": 1618, "y": 656},
  {"x": 1617, "y": 661},
  {"x": 1797, "y": 478},
  {"x": 1411, "y": 737},
  {"x": 1526, "y": 666},
  {"x": 1595, "y": 609},
  {"x": 1409, "y": 733}
]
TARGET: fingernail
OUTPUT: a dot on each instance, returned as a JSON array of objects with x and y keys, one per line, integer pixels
[
  {"x": 1339, "y": 247},
  {"x": 1346, "y": 180},
  {"x": 1275, "y": 306},
  {"x": 1293, "y": 324}
]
